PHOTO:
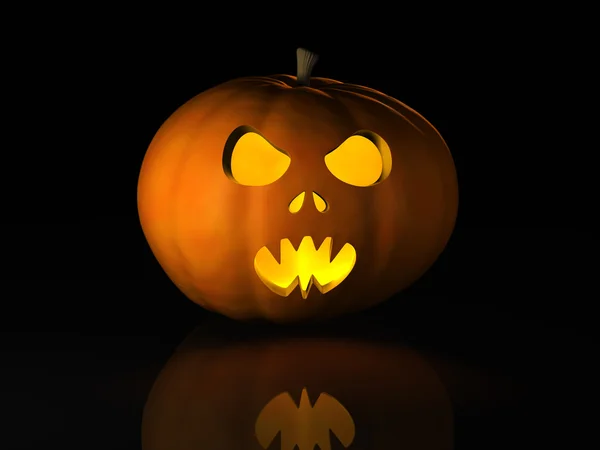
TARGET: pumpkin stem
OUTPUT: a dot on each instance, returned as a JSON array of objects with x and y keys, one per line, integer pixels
[{"x": 305, "y": 61}]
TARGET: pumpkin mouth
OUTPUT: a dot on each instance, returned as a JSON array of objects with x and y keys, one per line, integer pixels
[{"x": 304, "y": 267}]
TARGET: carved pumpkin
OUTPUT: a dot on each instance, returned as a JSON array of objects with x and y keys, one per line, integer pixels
[
  {"x": 290, "y": 198},
  {"x": 290, "y": 393}
]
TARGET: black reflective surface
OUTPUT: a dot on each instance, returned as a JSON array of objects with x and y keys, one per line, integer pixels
[
  {"x": 89, "y": 390},
  {"x": 504, "y": 319}
]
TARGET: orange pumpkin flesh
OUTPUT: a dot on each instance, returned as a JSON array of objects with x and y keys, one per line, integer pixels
[
  {"x": 276, "y": 393},
  {"x": 218, "y": 225}
]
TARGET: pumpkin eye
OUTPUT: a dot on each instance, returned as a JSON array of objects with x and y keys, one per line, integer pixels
[
  {"x": 249, "y": 159},
  {"x": 364, "y": 159}
]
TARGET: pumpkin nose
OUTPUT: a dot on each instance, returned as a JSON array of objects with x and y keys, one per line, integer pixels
[
  {"x": 320, "y": 203},
  {"x": 298, "y": 201}
]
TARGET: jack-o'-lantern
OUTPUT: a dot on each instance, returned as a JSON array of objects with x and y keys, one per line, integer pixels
[
  {"x": 295, "y": 197},
  {"x": 296, "y": 393}
]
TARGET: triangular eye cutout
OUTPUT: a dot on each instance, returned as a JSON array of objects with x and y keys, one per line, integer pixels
[{"x": 362, "y": 160}]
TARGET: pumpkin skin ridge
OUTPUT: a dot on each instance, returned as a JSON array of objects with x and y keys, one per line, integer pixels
[
  {"x": 398, "y": 104},
  {"x": 316, "y": 82},
  {"x": 257, "y": 81},
  {"x": 285, "y": 82},
  {"x": 451, "y": 214},
  {"x": 347, "y": 95},
  {"x": 274, "y": 96},
  {"x": 171, "y": 218},
  {"x": 259, "y": 88},
  {"x": 366, "y": 97},
  {"x": 345, "y": 87},
  {"x": 271, "y": 108}
]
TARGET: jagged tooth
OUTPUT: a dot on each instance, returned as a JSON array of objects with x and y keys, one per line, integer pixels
[
  {"x": 304, "y": 281},
  {"x": 336, "y": 246},
  {"x": 306, "y": 291},
  {"x": 307, "y": 244}
]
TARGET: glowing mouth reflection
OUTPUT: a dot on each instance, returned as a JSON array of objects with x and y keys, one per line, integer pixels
[{"x": 305, "y": 267}]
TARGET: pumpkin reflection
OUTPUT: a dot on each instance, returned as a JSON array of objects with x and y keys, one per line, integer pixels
[{"x": 292, "y": 393}]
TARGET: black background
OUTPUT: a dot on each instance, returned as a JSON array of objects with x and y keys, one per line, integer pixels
[{"x": 88, "y": 317}]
